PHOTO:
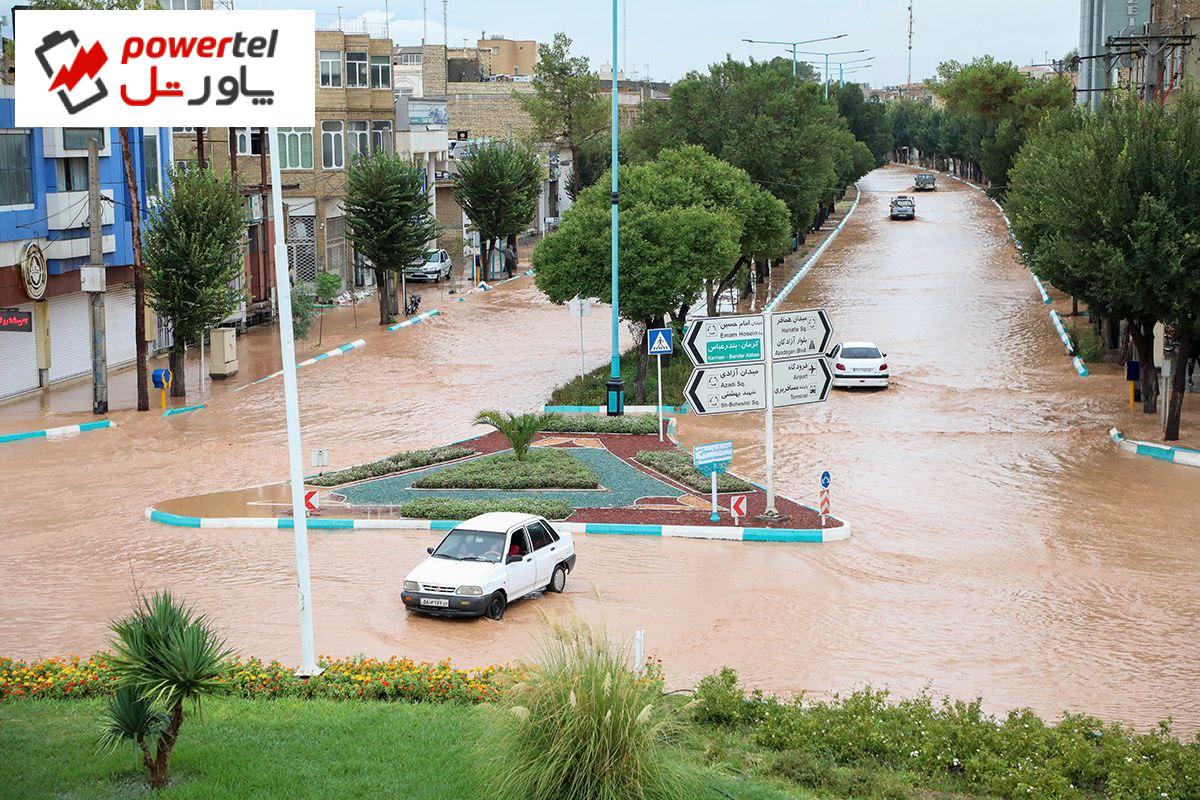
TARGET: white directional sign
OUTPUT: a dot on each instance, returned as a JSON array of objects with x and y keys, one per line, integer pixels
[
  {"x": 799, "y": 381},
  {"x": 729, "y": 388},
  {"x": 799, "y": 333},
  {"x": 715, "y": 453},
  {"x": 722, "y": 340}
]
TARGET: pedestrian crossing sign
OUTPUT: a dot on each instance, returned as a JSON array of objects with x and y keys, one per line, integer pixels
[{"x": 659, "y": 341}]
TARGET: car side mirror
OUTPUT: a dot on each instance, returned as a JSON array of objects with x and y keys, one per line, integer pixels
[
  {"x": 429, "y": 550},
  {"x": 884, "y": 355},
  {"x": 513, "y": 559}
]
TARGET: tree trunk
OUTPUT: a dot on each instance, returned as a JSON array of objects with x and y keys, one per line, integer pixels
[
  {"x": 573, "y": 187},
  {"x": 139, "y": 278},
  {"x": 1143, "y": 340},
  {"x": 160, "y": 769},
  {"x": 712, "y": 298},
  {"x": 1183, "y": 354},
  {"x": 643, "y": 365},
  {"x": 381, "y": 286},
  {"x": 178, "y": 375}
]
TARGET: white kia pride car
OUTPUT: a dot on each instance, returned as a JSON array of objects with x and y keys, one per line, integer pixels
[
  {"x": 858, "y": 364},
  {"x": 488, "y": 561}
]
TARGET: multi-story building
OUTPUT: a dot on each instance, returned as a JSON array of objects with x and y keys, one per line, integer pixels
[
  {"x": 44, "y": 241},
  {"x": 498, "y": 58},
  {"x": 1098, "y": 21}
]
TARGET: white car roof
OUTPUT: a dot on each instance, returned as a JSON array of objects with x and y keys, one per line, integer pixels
[
  {"x": 859, "y": 344},
  {"x": 497, "y": 521}
]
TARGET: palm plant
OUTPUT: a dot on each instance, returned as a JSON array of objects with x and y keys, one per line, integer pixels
[
  {"x": 164, "y": 654},
  {"x": 518, "y": 429},
  {"x": 583, "y": 725}
]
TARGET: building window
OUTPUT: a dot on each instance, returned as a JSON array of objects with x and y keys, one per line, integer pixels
[
  {"x": 189, "y": 130},
  {"x": 182, "y": 5},
  {"x": 358, "y": 142},
  {"x": 333, "y": 154},
  {"x": 381, "y": 72},
  {"x": 16, "y": 169},
  {"x": 296, "y": 148},
  {"x": 249, "y": 141},
  {"x": 77, "y": 138},
  {"x": 150, "y": 163},
  {"x": 381, "y": 136},
  {"x": 410, "y": 58},
  {"x": 331, "y": 68},
  {"x": 356, "y": 70},
  {"x": 72, "y": 174}
]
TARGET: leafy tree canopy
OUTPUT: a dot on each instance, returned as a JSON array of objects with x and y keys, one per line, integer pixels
[{"x": 498, "y": 188}]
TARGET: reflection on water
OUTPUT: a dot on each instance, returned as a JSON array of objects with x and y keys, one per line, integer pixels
[{"x": 1002, "y": 546}]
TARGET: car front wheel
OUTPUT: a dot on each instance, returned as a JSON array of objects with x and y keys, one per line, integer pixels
[
  {"x": 558, "y": 581},
  {"x": 496, "y": 606}
]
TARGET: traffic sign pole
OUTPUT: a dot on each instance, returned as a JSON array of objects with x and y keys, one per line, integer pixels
[
  {"x": 715, "y": 516},
  {"x": 771, "y": 511},
  {"x": 660, "y": 407}
]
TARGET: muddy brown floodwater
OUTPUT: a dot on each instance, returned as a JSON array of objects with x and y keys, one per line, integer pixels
[{"x": 1002, "y": 546}]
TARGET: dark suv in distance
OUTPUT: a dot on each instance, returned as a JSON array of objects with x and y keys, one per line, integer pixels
[{"x": 926, "y": 182}]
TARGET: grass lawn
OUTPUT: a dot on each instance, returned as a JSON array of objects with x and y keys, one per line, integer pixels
[
  {"x": 294, "y": 749},
  {"x": 589, "y": 390},
  {"x": 543, "y": 468}
]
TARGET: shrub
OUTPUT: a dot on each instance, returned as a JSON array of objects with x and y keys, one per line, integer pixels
[
  {"x": 455, "y": 509},
  {"x": 584, "y": 726},
  {"x": 1089, "y": 345},
  {"x": 329, "y": 285},
  {"x": 400, "y": 462},
  {"x": 598, "y": 423},
  {"x": 518, "y": 429},
  {"x": 677, "y": 465},
  {"x": 546, "y": 468},
  {"x": 720, "y": 701}
]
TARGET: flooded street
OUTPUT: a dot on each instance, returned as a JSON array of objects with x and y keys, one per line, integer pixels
[{"x": 1002, "y": 545}]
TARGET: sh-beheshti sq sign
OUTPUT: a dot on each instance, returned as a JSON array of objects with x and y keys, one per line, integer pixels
[{"x": 164, "y": 68}]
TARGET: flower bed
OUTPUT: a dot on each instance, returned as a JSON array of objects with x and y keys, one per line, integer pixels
[
  {"x": 678, "y": 466},
  {"x": 400, "y": 462},
  {"x": 597, "y": 423},
  {"x": 400, "y": 679},
  {"x": 456, "y": 509},
  {"x": 543, "y": 468}
]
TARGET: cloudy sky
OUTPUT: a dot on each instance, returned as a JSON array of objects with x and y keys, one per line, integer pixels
[{"x": 671, "y": 37}]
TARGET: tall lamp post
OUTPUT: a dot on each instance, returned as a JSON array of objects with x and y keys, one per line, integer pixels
[
  {"x": 827, "y": 55},
  {"x": 841, "y": 65},
  {"x": 615, "y": 385},
  {"x": 794, "y": 45}
]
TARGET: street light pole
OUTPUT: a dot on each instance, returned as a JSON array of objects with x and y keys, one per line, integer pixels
[
  {"x": 615, "y": 385},
  {"x": 793, "y": 45}
]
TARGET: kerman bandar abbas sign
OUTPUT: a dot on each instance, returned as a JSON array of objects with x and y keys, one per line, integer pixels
[{"x": 161, "y": 68}]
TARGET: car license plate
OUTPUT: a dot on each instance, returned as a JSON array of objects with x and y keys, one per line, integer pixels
[
  {"x": 435, "y": 602},
  {"x": 862, "y": 369}
]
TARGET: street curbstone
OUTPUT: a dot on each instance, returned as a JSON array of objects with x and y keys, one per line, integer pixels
[
  {"x": 58, "y": 433},
  {"x": 417, "y": 320},
  {"x": 1159, "y": 452}
]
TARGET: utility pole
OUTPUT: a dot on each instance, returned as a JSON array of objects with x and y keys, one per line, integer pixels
[
  {"x": 424, "y": 21},
  {"x": 446, "y": 26},
  {"x": 95, "y": 283},
  {"x": 910, "y": 37},
  {"x": 139, "y": 276},
  {"x": 200, "y": 160}
]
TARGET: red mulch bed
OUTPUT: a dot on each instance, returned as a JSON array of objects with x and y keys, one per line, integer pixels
[{"x": 625, "y": 446}]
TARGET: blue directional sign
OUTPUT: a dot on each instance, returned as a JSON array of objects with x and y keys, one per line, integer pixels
[
  {"x": 710, "y": 458},
  {"x": 825, "y": 478},
  {"x": 660, "y": 341}
]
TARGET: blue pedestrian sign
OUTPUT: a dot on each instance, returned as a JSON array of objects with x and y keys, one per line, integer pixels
[
  {"x": 825, "y": 478},
  {"x": 660, "y": 341}
]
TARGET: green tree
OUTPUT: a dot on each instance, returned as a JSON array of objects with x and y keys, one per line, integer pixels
[
  {"x": 519, "y": 429},
  {"x": 868, "y": 121},
  {"x": 165, "y": 655},
  {"x": 193, "y": 258},
  {"x": 565, "y": 104},
  {"x": 387, "y": 216},
  {"x": 498, "y": 188}
]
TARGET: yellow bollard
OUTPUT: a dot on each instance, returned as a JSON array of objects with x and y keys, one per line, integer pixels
[{"x": 1131, "y": 395}]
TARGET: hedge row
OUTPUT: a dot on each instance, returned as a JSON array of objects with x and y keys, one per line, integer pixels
[
  {"x": 678, "y": 465},
  {"x": 454, "y": 509},
  {"x": 401, "y": 462},
  {"x": 598, "y": 423},
  {"x": 542, "y": 468}
]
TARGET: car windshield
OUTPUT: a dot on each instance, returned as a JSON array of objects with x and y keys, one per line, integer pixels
[
  {"x": 432, "y": 256},
  {"x": 902, "y": 201},
  {"x": 465, "y": 545},
  {"x": 859, "y": 352}
]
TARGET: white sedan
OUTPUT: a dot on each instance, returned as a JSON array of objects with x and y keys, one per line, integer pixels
[
  {"x": 488, "y": 561},
  {"x": 859, "y": 364},
  {"x": 435, "y": 266}
]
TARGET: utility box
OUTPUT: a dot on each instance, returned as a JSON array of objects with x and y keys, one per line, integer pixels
[{"x": 222, "y": 353}]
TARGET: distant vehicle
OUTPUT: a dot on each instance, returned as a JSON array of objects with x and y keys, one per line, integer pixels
[
  {"x": 903, "y": 207},
  {"x": 858, "y": 364},
  {"x": 926, "y": 182},
  {"x": 437, "y": 265},
  {"x": 488, "y": 561}
]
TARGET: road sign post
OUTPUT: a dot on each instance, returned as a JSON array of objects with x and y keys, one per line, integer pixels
[
  {"x": 824, "y": 496},
  {"x": 580, "y": 308},
  {"x": 737, "y": 507},
  {"x": 712, "y": 460},
  {"x": 660, "y": 342}
]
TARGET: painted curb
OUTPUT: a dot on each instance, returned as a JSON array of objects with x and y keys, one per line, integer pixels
[
  {"x": 808, "y": 265},
  {"x": 1041, "y": 289},
  {"x": 604, "y": 409},
  {"x": 1062, "y": 332},
  {"x": 58, "y": 433},
  {"x": 418, "y": 319},
  {"x": 1159, "y": 452},
  {"x": 722, "y": 533},
  {"x": 337, "y": 351},
  {"x": 484, "y": 286},
  {"x": 170, "y": 412}
]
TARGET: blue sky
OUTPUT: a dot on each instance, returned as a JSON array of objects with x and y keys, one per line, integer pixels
[{"x": 675, "y": 36}]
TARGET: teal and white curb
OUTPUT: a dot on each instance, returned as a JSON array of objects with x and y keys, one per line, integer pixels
[
  {"x": 337, "y": 351},
  {"x": 171, "y": 412},
  {"x": 604, "y": 409},
  {"x": 723, "y": 533},
  {"x": 417, "y": 320},
  {"x": 58, "y": 433},
  {"x": 1160, "y": 452},
  {"x": 484, "y": 286},
  {"x": 1041, "y": 289},
  {"x": 1062, "y": 332},
  {"x": 1080, "y": 367},
  {"x": 808, "y": 265}
]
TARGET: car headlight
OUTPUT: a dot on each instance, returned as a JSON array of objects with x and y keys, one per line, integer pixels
[
  {"x": 471, "y": 591},
  {"x": 412, "y": 586}
]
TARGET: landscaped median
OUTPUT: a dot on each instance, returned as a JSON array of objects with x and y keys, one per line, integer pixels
[{"x": 588, "y": 473}]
